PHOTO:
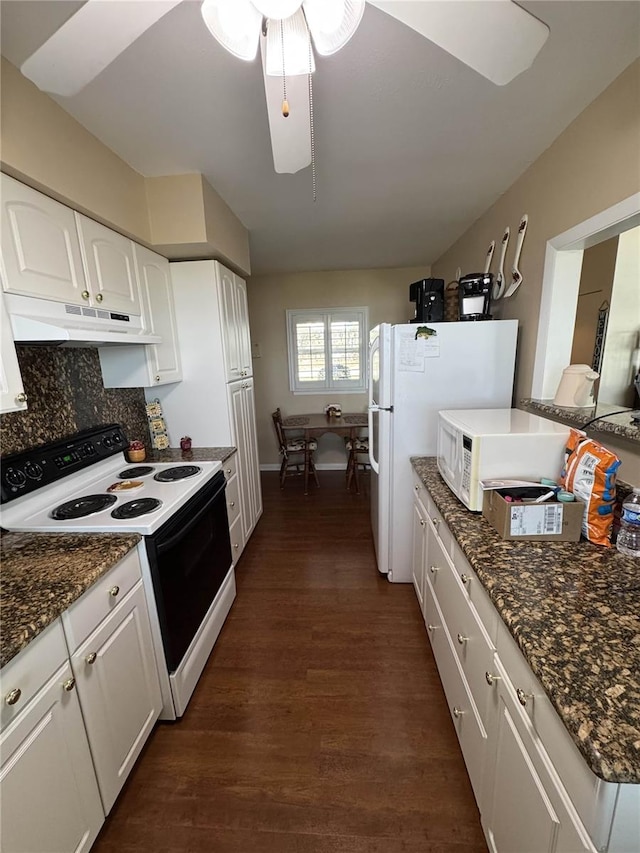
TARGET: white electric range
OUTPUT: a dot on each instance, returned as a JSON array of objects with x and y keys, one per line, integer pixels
[{"x": 84, "y": 484}]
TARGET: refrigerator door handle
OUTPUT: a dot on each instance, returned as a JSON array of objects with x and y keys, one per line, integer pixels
[{"x": 372, "y": 459}]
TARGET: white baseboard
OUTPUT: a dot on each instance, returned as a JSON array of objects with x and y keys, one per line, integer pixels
[{"x": 324, "y": 466}]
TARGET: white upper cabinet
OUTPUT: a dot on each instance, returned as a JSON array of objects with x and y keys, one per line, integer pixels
[
  {"x": 12, "y": 396},
  {"x": 154, "y": 364},
  {"x": 110, "y": 267},
  {"x": 40, "y": 248},
  {"x": 235, "y": 323}
]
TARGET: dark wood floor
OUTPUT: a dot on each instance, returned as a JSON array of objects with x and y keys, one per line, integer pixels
[{"x": 319, "y": 724}]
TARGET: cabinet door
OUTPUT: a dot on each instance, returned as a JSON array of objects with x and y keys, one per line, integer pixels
[
  {"x": 40, "y": 248},
  {"x": 12, "y": 396},
  {"x": 251, "y": 438},
  {"x": 242, "y": 325},
  {"x": 119, "y": 691},
  {"x": 237, "y": 404},
  {"x": 230, "y": 332},
  {"x": 50, "y": 801},
  {"x": 159, "y": 316},
  {"x": 418, "y": 557},
  {"x": 109, "y": 266}
]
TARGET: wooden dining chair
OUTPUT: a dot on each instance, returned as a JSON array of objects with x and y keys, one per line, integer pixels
[
  {"x": 358, "y": 457},
  {"x": 296, "y": 453}
]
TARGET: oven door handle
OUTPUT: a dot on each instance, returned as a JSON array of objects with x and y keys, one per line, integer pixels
[{"x": 166, "y": 544}]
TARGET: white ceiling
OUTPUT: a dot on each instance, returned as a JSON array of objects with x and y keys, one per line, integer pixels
[{"x": 412, "y": 146}]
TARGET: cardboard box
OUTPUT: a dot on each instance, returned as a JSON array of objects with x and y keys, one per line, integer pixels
[{"x": 551, "y": 521}]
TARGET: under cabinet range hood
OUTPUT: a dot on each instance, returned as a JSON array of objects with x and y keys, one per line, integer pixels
[{"x": 43, "y": 321}]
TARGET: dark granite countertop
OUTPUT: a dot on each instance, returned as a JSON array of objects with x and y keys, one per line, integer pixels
[
  {"x": 42, "y": 574},
  {"x": 196, "y": 454},
  {"x": 620, "y": 424},
  {"x": 574, "y": 610}
]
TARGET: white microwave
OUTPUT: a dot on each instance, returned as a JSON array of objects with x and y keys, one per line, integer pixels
[{"x": 482, "y": 444}]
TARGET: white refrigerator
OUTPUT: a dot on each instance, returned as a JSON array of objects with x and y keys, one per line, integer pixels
[{"x": 415, "y": 370}]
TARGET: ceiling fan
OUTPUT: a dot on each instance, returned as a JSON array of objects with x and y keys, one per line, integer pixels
[{"x": 497, "y": 38}]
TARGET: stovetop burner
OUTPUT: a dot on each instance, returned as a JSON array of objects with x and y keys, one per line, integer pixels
[
  {"x": 81, "y": 507},
  {"x": 136, "y": 471},
  {"x": 180, "y": 472},
  {"x": 135, "y": 508}
]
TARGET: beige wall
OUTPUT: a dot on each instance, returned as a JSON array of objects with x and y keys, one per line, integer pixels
[
  {"x": 179, "y": 216},
  {"x": 593, "y": 165},
  {"x": 384, "y": 292},
  {"x": 48, "y": 149}
]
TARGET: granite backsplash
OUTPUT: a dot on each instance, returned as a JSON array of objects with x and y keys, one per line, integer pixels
[{"x": 65, "y": 393}]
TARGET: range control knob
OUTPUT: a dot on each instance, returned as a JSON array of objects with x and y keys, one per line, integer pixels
[
  {"x": 33, "y": 471},
  {"x": 88, "y": 449},
  {"x": 107, "y": 441},
  {"x": 117, "y": 438},
  {"x": 15, "y": 477}
]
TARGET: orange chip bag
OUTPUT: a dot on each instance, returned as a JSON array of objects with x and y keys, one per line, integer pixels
[{"x": 590, "y": 474}]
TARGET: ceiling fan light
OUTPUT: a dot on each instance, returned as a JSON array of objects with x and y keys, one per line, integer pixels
[
  {"x": 332, "y": 22},
  {"x": 277, "y": 8},
  {"x": 235, "y": 24},
  {"x": 295, "y": 36}
]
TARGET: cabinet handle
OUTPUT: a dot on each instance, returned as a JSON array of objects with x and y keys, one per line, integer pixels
[
  {"x": 490, "y": 678},
  {"x": 436, "y": 522},
  {"x": 13, "y": 696},
  {"x": 417, "y": 488},
  {"x": 228, "y": 471},
  {"x": 114, "y": 591},
  {"x": 99, "y": 297},
  {"x": 85, "y": 294},
  {"x": 422, "y": 522},
  {"x": 232, "y": 504},
  {"x": 465, "y": 578},
  {"x": 69, "y": 684},
  {"x": 91, "y": 658},
  {"x": 236, "y": 546},
  {"x": 434, "y": 569},
  {"x": 522, "y": 696},
  {"x": 462, "y": 640},
  {"x": 457, "y": 712},
  {"x": 21, "y": 398},
  {"x": 157, "y": 378},
  {"x": 431, "y": 628}
]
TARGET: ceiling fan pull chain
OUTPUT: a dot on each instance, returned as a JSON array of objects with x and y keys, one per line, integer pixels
[
  {"x": 313, "y": 140},
  {"x": 285, "y": 102}
]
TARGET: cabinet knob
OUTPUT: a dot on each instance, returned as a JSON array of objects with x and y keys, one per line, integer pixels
[
  {"x": 457, "y": 712},
  {"x": 232, "y": 504},
  {"x": 436, "y": 522},
  {"x": 113, "y": 592},
  {"x": 431, "y": 628},
  {"x": 91, "y": 658},
  {"x": 236, "y": 546},
  {"x": 13, "y": 696},
  {"x": 228, "y": 470},
  {"x": 69, "y": 684},
  {"x": 422, "y": 522},
  {"x": 85, "y": 294},
  {"x": 21, "y": 398},
  {"x": 157, "y": 378},
  {"x": 417, "y": 487},
  {"x": 522, "y": 696},
  {"x": 434, "y": 569},
  {"x": 99, "y": 297},
  {"x": 462, "y": 640},
  {"x": 465, "y": 578},
  {"x": 490, "y": 678}
]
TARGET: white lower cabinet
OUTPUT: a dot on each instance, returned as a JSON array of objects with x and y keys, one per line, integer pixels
[
  {"x": 72, "y": 729},
  {"x": 119, "y": 690},
  {"x": 49, "y": 800},
  {"x": 418, "y": 551},
  {"x": 533, "y": 788},
  {"x": 12, "y": 396},
  {"x": 242, "y": 409}
]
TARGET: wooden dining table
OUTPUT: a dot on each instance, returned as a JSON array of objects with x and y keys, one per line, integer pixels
[{"x": 317, "y": 423}]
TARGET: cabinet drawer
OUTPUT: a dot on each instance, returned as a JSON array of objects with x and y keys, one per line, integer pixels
[
  {"x": 233, "y": 500},
  {"x": 476, "y": 592},
  {"x": 30, "y": 669},
  {"x": 230, "y": 467},
  {"x": 100, "y": 600},
  {"x": 469, "y": 729}
]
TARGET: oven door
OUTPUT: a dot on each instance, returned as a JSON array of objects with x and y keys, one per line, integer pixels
[{"x": 189, "y": 558}]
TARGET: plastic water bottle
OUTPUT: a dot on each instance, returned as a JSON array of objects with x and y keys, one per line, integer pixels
[{"x": 628, "y": 541}]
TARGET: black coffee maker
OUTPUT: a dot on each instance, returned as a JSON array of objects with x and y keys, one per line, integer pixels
[
  {"x": 474, "y": 296},
  {"x": 428, "y": 295}
]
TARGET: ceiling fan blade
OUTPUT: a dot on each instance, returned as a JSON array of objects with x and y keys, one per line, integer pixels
[
  {"x": 89, "y": 41},
  {"x": 497, "y": 38},
  {"x": 291, "y": 136}
]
